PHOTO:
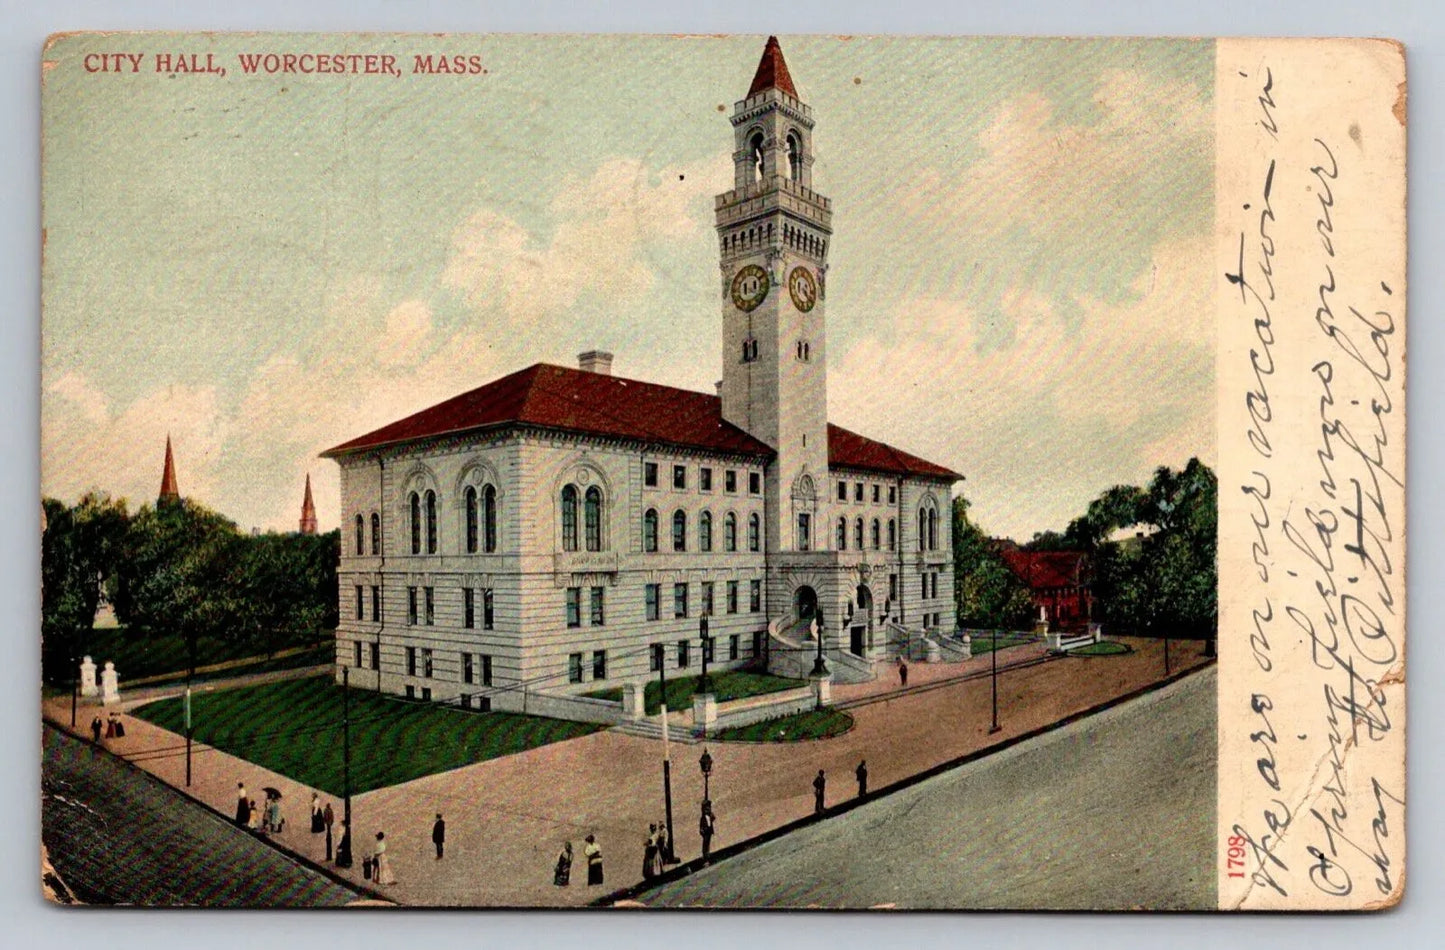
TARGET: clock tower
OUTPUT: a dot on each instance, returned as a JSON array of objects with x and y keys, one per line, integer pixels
[{"x": 773, "y": 230}]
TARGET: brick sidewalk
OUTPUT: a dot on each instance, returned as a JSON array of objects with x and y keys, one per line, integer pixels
[{"x": 507, "y": 818}]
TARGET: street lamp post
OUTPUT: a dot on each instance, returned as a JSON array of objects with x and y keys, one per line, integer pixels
[
  {"x": 820, "y": 666},
  {"x": 346, "y": 743},
  {"x": 705, "y": 764},
  {"x": 993, "y": 665},
  {"x": 666, "y": 750},
  {"x": 702, "y": 681}
]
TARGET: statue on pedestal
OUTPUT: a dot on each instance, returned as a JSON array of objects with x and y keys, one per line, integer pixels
[{"x": 87, "y": 678}]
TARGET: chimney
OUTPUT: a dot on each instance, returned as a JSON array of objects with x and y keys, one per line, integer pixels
[{"x": 595, "y": 361}]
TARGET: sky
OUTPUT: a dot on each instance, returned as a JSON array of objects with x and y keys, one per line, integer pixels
[{"x": 266, "y": 266}]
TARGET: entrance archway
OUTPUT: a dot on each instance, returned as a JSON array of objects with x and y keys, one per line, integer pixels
[
  {"x": 805, "y": 603},
  {"x": 860, "y": 633}
]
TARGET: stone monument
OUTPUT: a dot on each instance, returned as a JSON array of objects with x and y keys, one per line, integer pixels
[
  {"x": 109, "y": 684},
  {"x": 87, "y": 678}
]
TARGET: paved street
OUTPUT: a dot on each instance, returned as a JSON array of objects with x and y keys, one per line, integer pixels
[
  {"x": 117, "y": 836},
  {"x": 1115, "y": 811}
]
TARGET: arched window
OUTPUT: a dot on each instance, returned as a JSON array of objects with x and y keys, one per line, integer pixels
[
  {"x": 469, "y": 501},
  {"x": 649, "y": 530},
  {"x": 360, "y": 540},
  {"x": 679, "y": 530},
  {"x": 704, "y": 531},
  {"x": 755, "y": 533},
  {"x": 875, "y": 534},
  {"x": 431, "y": 522},
  {"x": 922, "y": 529},
  {"x": 415, "y": 523},
  {"x": 795, "y": 158},
  {"x": 375, "y": 533},
  {"x": 858, "y": 534},
  {"x": 892, "y": 534},
  {"x": 569, "y": 518},
  {"x": 932, "y": 529},
  {"x": 755, "y": 146},
  {"x": 730, "y": 532},
  {"x": 489, "y": 519},
  {"x": 842, "y": 534},
  {"x": 592, "y": 518}
]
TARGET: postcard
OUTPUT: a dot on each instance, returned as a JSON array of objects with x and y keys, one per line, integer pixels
[{"x": 758, "y": 472}]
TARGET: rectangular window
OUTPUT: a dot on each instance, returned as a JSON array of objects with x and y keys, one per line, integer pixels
[
  {"x": 704, "y": 479},
  {"x": 875, "y": 494},
  {"x": 892, "y": 494},
  {"x": 755, "y": 483},
  {"x": 730, "y": 481},
  {"x": 376, "y": 656},
  {"x": 924, "y": 591},
  {"x": 732, "y": 597},
  {"x": 430, "y": 605},
  {"x": 805, "y": 531},
  {"x": 357, "y": 664},
  {"x": 468, "y": 670},
  {"x": 411, "y": 606},
  {"x": 597, "y": 617},
  {"x": 426, "y": 694},
  {"x": 469, "y": 609},
  {"x": 653, "y": 593},
  {"x": 486, "y": 669},
  {"x": 679, "y": 477},
  {"x": 708, "y": 653},
  {"x": 682, "y": 646},
  {"x": 488, "y": 603},
  {"x": 657, "y": 652},
  {"x": 842, "y": 491},
  {"x": 359, "y": 612},
  {"x": 649, "y": 474},
  {"x": 707, "y": 587},
  {"x": 411, "y": 661},
  {"x": 679, "y": 600},
  {"x": 858, "y": 491},
  {"x": 376, "y": 603},
  {"x": 410, "y": 691},
  {"x": 574, "y": 606},
  {"x": 599, "y": 664},
  {"x": 733, "y": 647},
  {"x": 426, "y": 667},
  {"x": 892, "y": 586},
  {"x": 574, "y": 668},
  {"x": 755, "y": 596}
]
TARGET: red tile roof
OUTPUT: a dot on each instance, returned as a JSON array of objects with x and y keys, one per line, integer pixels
[
  {"x": 772, "y": 72},
  {"x": 1040, "y": 570},
  {"x": 572, "y": 400}
]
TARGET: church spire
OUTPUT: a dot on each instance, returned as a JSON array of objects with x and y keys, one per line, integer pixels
[
  {"x": 308, "y": 510},
  {"x": 772, "y": 72},
  {"x": 170, "y": 494}
]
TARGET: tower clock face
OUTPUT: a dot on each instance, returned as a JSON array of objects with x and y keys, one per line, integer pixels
[
  {"x": 803, "y": 289},
  {"x": 750, "y": 287}
]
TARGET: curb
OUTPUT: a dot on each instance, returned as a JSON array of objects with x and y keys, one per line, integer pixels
[{"x": 631, "y": 894}]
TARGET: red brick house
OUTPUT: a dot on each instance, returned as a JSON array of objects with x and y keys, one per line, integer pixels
[{"x": 1058, "y": 581}]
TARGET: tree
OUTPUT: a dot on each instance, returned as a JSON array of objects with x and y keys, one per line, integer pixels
[
  {"x": 79, "y": 552},
  {"x": 986, "y": 592}
]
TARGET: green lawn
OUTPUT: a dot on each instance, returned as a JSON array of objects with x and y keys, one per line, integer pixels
[
  {"x": 727, "y": 685},
  {"x": 813, "y": 724},
  {"x": 294, "y": 728},
  {"x": 1102, "y": 648},
  {"x": 981, "y": 645}
]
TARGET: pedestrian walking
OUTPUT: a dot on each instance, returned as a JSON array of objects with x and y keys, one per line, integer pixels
[
  {"x": 593, "y": 854},
  {"x": 318, "y": 821},
  {"x": 862, "y": 772},
  {"x": 562, "y": 874},
  {"x": 664, "y": 845},
  {"x": 119, "y": 725},
  {"x": 327, "y": 817},
  {"x": 439, "y": 835},
  {"x": 381, "y": 864},
  {"x": 343, "y": 850},
  {"x": 902, "y": 672},
  {"x": 253, "y": 816},
  {"x": 110, "y": 726},
  {"x": 706, "y": 827},
  {"x": 274, "y": 822},
  {"x": 820, "y": 784},
  {"x": 96, "y": 727},
  {"x": 243, "y": 805},
  {"x": 649, "y": 854}
]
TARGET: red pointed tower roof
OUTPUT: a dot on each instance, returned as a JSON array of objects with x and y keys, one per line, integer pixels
[
  {"x": 308, "y": 510},
  {"x": 772, "y": 72},
  {"x": 169, "y": 491}
]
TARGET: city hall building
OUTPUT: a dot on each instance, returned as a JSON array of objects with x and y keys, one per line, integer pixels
[{"x": 566, "y": 530}]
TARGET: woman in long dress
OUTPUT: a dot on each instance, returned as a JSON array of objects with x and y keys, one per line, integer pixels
[
  {"x": 649, "y": 854},
  {"x": 318, "y": 823},
  {"x": 562, "y": 876},
  {"x": 273, "y": 815},
  {"x": 253, "y": 820},
  {"x": 382, "y": 873},
  {"x": 343, "y": 848},
  {"x": 593, "y": 854}
]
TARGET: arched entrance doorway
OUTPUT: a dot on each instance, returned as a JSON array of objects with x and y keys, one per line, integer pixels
[
  {"x": 860, "y": 631},
  {"x": 805, "y": 603}
]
